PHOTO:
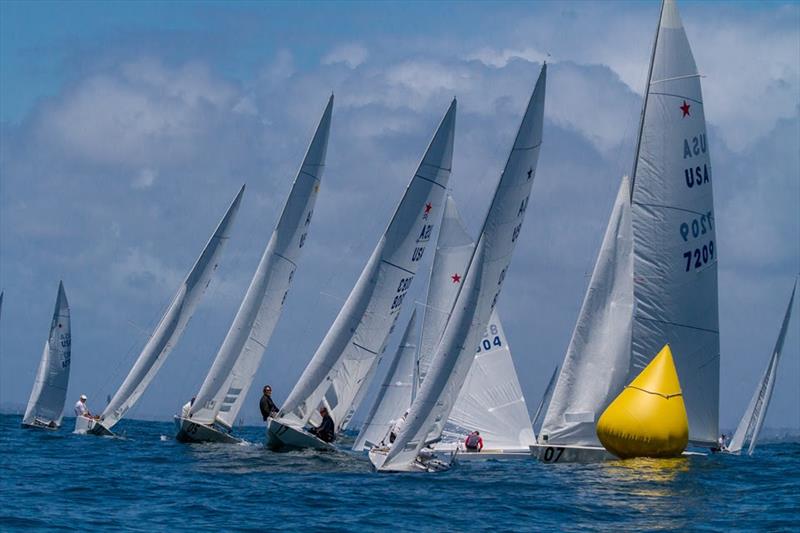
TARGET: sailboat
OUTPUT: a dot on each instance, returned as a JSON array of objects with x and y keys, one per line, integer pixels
[
  {"x": 46, "y": 404},
  {"x": 212, "y": 414},
  {"x": 477, "y": 297},
  {"x": 655, "y": 279},
  {"x": 750, "y": 425},
  {"x": 491, "y": 399},
  {"x": 167, "y": 333},
  {"x": 343, "y": 365}
]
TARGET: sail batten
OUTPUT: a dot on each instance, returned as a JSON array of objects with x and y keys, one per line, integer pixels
[
  {"x": 172, "y": 324},
  {"x": 225, "y": 388}
]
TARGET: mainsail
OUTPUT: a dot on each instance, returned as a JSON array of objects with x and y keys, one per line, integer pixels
[
  {"x": 750, "y": 425},
  {"x": 396, "y": 391},
  {"x": 46, "y": 404},
  {"x": 478, "y": 296},
  {"x": 674, "y": 230},
  {"x": 172, "y": 323},
  {"x": 222, "y": 393},
  {"x": 598, "y": 358},
  {"x": 345, "y": 359}
]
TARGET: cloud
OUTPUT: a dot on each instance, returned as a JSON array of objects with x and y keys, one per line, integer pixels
[
  {"x": 351, "y": 55},
  {"x": 500, "y": 58}
]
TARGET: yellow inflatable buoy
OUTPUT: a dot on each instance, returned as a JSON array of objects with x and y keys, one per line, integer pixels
[{"x": 648, "y": 418}]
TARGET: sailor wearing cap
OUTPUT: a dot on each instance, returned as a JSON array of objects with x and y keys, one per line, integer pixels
[{"x": 80, "y": 407}]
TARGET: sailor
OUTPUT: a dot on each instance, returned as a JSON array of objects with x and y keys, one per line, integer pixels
[
  {"x": 326, "y": 430},
  {"x": 474, "y": 442},
  {"x": 186, "y": 407},
  {"x": 267, "y": 406},
  {"x": 81, "y": 409},
  {"x": 721, "y": 443},
  {"x": 397, "y": 427}
]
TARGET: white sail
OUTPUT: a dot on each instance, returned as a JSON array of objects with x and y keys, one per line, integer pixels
[
  {"x": 454, "y": 249},
  {"x": 674, "y": 230},
  {"x": 46, "y": 403},
  {"x": 346, "y": 357},
  {"x": 598, "y": 358},
  {"x": 491, "y": 399},
  {"x": 544, "y": 403},
  {"x": 750, "y": 424},
  {"x": 172, "y": 323},
  {"x": 478, "y": 296},
  {"x": 224, "y": 390},
  {"x": 394, "y": 396}
]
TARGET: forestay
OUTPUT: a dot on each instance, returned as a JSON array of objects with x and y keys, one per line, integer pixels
[
  {"x": 674, "y": 230},
  {"x": 477, "y": 297},
  {"x": 172, "y": 323},
  {"x": 750, "y": 424},
  {"x": 598, "y": 358},
  {"x": 346, "y": 357},
  {"x": 395, "y": 394},
  {"x": 225, "y": 388},
  {"x": 46, "y": 404}
]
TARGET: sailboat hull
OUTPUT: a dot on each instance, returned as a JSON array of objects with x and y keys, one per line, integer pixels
[
  {"x": 282, "y": 436},
  {"x": 38, "y": 424},
  {"x": 444, "y": 452},
  {"x": 428, "y": 463},
  {"x": 90, "y": 426},
  {"x": 188, "y": 432},
  {"x": 570, "y": 454}
]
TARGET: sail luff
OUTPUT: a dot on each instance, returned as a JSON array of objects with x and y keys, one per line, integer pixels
[
  {"x": 544, "y": 403},
  {"x": 224, "y": 389},
  {"x": 345, "y": 359},
  {"x": 46, "y": 402},
  {"x": 172, "y": 324}
]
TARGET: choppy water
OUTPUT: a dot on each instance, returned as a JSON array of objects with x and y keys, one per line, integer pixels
[{"x": 148, "y": 482}]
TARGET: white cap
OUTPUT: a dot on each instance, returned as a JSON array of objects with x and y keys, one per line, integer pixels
[{"x": 83, "y": 396}]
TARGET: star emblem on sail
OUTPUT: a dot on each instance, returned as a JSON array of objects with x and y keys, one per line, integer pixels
[{"x": 344, "y": 364}]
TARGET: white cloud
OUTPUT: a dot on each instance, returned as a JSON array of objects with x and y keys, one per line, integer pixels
[
  {"x": 351, "y": 55},
  {"x": 145, "y": 179},
  {"x": 500, "y": 58}
]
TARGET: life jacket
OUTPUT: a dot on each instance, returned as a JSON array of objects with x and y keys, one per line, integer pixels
[{"x": 472, "y": 441}]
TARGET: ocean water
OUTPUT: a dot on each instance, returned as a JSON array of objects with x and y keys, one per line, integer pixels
[{"x": 147, "y": 481}]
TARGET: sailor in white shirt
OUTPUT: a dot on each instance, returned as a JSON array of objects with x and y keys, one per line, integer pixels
[{"x": 80, "y": 407}]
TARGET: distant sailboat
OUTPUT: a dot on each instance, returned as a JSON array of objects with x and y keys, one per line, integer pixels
[
  {"x": 212, "y": 415},
  {"x": 476, "y": 299},
  {"x": 345, "y": 361},
  {"x": 46, "y": 404},
  {"x": 753, "y": 418},
  {"x": 655, "y": 280},
  {"x": 167, "y": 333}
]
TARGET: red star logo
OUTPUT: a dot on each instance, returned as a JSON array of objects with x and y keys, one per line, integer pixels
[
  {"x": 685, "y": 108},
  {"x": 428, "y": 208},
  {"x": 456, "y": 278}
]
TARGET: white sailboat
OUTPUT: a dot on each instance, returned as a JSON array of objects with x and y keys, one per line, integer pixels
[
  {"x": 167, "y": 333},
  {"x": 212, "y": 414},
  {"x": 477, "y": 297},
  {"x": 753, "y": 418},
  {"x": 655, "y": 280},
  {"x": 395, "y": 394},
  {"x": 345, "y": 361},
  {"x": 46, "y": 404}
]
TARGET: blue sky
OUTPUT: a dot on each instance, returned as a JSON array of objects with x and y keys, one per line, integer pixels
[{"x": 127, "y": 127}]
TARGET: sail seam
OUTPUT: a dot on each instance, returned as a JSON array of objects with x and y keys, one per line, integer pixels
[
  {"x": 365, "y": 348},
  {"x": 537, "y": 145},
  {"x": 669, "y": 207},
  {"x": 397, "y": 266},
  {"x": 310, "y": 174},
  {"x": 675, "y": 78},
  {"x": 678, "y": 325},
  {"x": 430, "y": 180},
  {"x": 286, "y": 258},
  {"x": 679, "y": 96}
]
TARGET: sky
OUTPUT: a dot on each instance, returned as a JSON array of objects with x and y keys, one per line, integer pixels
[{"x": 127, "y": 128}]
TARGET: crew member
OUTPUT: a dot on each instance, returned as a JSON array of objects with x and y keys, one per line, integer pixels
[
  {"x": 267, "y": 406},
  {"x": 81, "y": 409},
  {"x": 326, "y": 430},
  {"x": 397, "y": 427},
  {"x": 474, "y": 442}
]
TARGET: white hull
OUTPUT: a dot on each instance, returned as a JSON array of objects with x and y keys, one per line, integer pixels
[
  {"x": 188, "y": 431},
  {"x": 445, "y": 452},
  {"x": 571, "y": 454},
  {"x": 432, "y": 463},
  {"x": 90, "y": 426},
  {"x": 283, "y": 436},
  {"x": 39, "y": 424}
]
